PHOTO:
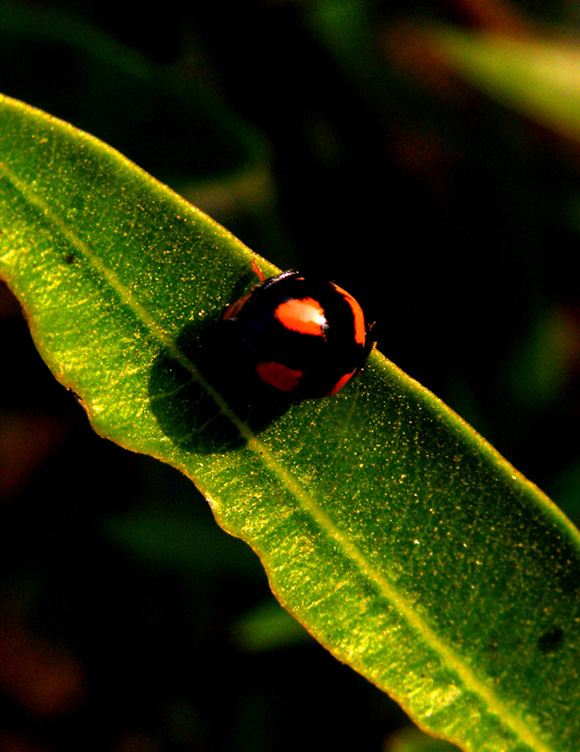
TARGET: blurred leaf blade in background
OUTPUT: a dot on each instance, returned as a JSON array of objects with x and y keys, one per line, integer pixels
[
  {"x": 160, "y": 112},
  {"x": 402, "y": 540},
  {"x": 412, "y": 739},
  {"x": 536, "y": 76},
  {"x": 156, "y": 106}
]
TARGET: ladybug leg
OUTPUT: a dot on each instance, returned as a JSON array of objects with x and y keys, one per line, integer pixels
[
  {"x": 233, "y": 310},
  {"x": 257, "y": 271}
]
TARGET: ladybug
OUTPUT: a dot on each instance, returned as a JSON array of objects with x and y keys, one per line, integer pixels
[{"x": 302, "y": 337}]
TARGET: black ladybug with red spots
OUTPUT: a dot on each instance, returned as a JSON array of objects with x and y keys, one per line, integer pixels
[{"x": 301, "y": 337}]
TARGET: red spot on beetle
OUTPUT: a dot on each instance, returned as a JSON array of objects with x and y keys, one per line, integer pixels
[
  {"x": 341, "y": 382},
  {"x": 279, "y": 376},
  {"x": 302, "y": 315},
  {"x": 360, "y": 328}
]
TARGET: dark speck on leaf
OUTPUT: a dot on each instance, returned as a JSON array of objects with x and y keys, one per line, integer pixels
[{"x": 551, "y": 640}]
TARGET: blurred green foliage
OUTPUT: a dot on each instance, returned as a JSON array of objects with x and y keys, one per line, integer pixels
[{"x": 127, "y": 620}]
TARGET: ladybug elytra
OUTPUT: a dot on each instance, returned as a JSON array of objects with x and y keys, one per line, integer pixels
[{"x": 302, "y": 337}]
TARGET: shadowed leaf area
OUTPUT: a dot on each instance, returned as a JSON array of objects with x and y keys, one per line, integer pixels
[{"x": 188, "y": 414}]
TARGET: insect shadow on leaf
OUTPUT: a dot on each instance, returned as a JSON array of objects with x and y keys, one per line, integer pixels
[{"x": 201, "y": 406}]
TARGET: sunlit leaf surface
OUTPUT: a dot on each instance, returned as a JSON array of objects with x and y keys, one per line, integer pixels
[{"x": 402, "y": 541}]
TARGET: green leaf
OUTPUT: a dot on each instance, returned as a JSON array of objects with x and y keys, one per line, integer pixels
[
  {"x": 172, "y": 541},
  {"x": 395, "y": 534},
  {"x": 412, "y": 739},
  {"x": 268, "y": 627},
  {"x": 537, "y": 77},
  {"x": 160, "y": 115}
]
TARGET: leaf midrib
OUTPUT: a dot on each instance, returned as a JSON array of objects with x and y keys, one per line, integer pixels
[{"x": 350, "y": 551}]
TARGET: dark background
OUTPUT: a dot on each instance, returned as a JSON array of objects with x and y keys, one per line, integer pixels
[{"x": 327, "y": 136}]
